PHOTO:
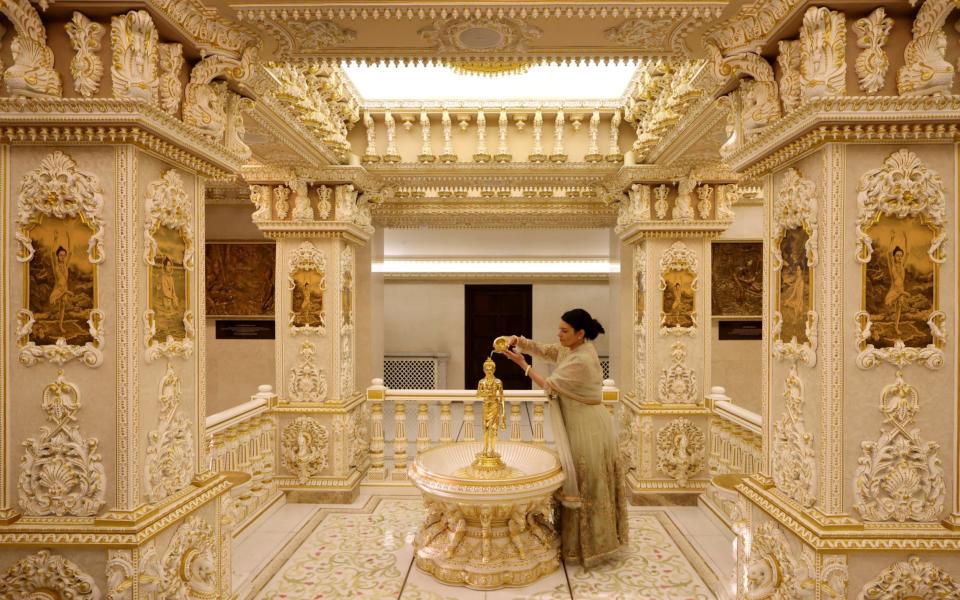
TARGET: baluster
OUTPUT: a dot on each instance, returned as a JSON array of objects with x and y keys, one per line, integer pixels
[
  {"x": 538, "y": 422},
  {"x": 423, "y": 434},
  {"x": 400, "y": 441},
  {"x": 468, "y": 421},
  {"x": 445, "y": 422},
  {"x": 515, "y": 420},
  {"x": 377, "y": 470}
]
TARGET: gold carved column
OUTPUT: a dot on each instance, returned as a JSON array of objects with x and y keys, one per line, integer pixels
[{"x": 320, "y": 229}]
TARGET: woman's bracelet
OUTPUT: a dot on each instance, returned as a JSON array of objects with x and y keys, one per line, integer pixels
[{"x": 526, "y": 372}]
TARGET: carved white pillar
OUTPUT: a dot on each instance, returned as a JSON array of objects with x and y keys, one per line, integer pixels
[
  {"x": 447, "y": 155},
  {"x": 481, "y": 154},
  {"x": 536, "y": 154},
  {"x": 370, "y": 154},
  {"x": 593, "y": 152},
  {"x": 503, "y": 149},
  {"x": 391, "y": 156},
  {"x": 426, "y": 150},
  {"x": 613, "y": 153},
  {"x": 559, "y": 154}
]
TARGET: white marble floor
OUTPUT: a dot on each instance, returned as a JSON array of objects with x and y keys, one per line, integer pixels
[{"x": 365, "y": 550}]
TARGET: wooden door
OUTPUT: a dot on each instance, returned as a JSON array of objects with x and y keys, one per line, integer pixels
[{"x": 493, "y": 310}]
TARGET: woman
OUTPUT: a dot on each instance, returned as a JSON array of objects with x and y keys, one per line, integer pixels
[
  {"x": 593, "y": 516},
  {"x": 60, "y": 263}
]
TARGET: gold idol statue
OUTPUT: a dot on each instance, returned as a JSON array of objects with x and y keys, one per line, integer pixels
[{"x": 490, "y": 391}]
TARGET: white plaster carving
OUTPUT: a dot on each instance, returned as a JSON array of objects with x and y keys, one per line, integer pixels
[
  {"x": 426, "y": 147},
  {"x": 32, "y": 74},
  {"x": 121, "y": 574},
  {"x": 912, "y": 578},
  {"x": 47, "y": 575},
  {"x": 281, "y": 203},
  {"x": 639, "y": 317},
  {"x": 872, "y": 62},
  {"x": 307, "y": 257},
  {"x": 61, "y": 472},
  {"x": 536, "y": 153},
  {"x": 170, "y": 455},
  {"x": 834, "y": 576},
  {"x": 447, "y": 155},
  {"x": 760, "y": 94},
  {"x": 308, "y": 383},
  {"x": 190, "y": 562},
  {"x": 823, "y": 66},
  {"x": 86, "y": 67},
  {"x": 302, "y": 209},
  {"x": 646, "y": 447},
  {"x": 558, "y": 151},
  {"x": 773, "y": 570},
  {"x": 679, "y": 258},
  {"x": 593, "y": 150},
  {"x": 513, "y": 34},
  {"x": 345, "y": 199},
  {"x": 167, "y": 205},
  {"x": 503, "y": 147},
  {"x": 635, "y": 208},
  {"x": 678, "y": 382},
  {"x": 304, "y": 448},
  {"x": 170, "y": 347},
  {"x": 324, "y": 206},
  {"x": 316, "y": 35},
  {"x": 61, "y": 352},
  {"x": 794, "y": 461},
  {"x": 262, "y": 198},
  {"x": 705, "y": 205},
  {"x": 926, "y": 71},
  {"x": 392, "y": 154},
  {"x": 661, "y": 206},
  {"x": 58, "y": 188},
  {"x": 727, "y": 196},
  {"x": 370, "y": 154},
  {"x": 898, "y": 476},
  {"x": 613, "y": 152},
  {"x": 170, "y": 89},
  {"x": 680, "y": 450},
  {"x": 234, "y": 128},
  {"x": 481, "y": 150},
  {"x": 205, "y": 107},
  {"x": 789, "y": 61},
  {"x": 683, "y": 205},
  {"x": 136, "y": 57}
]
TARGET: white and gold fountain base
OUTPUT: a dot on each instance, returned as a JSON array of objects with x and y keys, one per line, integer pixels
[{"x": 491, "y": 526}]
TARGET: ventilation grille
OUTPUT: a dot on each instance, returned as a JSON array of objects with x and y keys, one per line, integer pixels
[{"x": 411, "y": 373}]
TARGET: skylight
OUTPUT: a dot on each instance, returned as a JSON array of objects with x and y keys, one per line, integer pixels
[{"x": 437, "y": 82}]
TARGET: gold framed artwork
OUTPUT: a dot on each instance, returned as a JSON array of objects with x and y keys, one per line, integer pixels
[
  {"x": 678, "y": 290},
  {"x": 241, "y": 279},
  {"x": 737, "y": 279},
  {"x": 306, "y": 282},
  {"x": 169, "y": 285},
  {"x": 794, "y": 286}
]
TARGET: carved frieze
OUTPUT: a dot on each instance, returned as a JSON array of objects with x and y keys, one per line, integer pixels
[
  {"x": 823, "y": 40},
  {"x": 683, "y": 205},
  {"x": 61, "y": 472},
  {"x": 794, "y": 250},
  {"x": 912, "y": 578},
  {"x": 680, "y": 450},
  {"x": 872, "y": 62},
  {"x": 679, "y": 273},
  {"x": 306, "y": 279},
  {"x": 314, "y": 36},
  {"x": 705, "y": 203},
  {"x": 308, "y": 383},
  {"x": 170, "y": 89},
  {"x": 302, "y": 209},
  {"x": 170, "y": 453},
  {"x": 900, "y": 242},
  {"x": 86, "y": 67},
  {"x": 190, "y": 562},
  {"x": 898, "y": 476},
  {"x": 32, "y": 74},
  {"x": 635, "y": 208},
  {"x": 304, "y": 448},
  {"x": 678, "y": 382},
  {"x": 926, "y": 70},
  {"x": 136, "y": 57},
  {"x": 281, "y": 195},
  {"x": 794, "y": 460},
  {"x": 642, "y": 33},
  {"x": 47, "y": 575},
  {"x": 660, "y": 205}
]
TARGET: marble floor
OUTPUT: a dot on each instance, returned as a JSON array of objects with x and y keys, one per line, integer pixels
[{"x": 365, "y": 550}]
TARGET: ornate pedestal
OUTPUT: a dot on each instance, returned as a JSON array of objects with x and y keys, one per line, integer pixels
[{"x": 487, "y": 533}]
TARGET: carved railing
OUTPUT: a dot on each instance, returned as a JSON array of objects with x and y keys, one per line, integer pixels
[
  {"x": 243, "y": 439},
  {"x": 404, "y": 422},
  {"x": 735, "y": 436}
]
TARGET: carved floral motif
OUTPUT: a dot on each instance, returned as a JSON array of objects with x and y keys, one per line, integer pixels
[
  {"x": 170, "y": 453},
  {"x": 912, "y": 578},
  {"x": 307, "y": 381},
  {"x": 32, "y": 74},
  {"x": 773, "y": 571},
  {"x": 823, "y": 40},
  {"x": 167, "y": 205},
  {"x": 190, "y": 562},
  {"x": 170, "y": 89},
  {"x": 794, "y": 461},
  {"x": 661, "y": 206},
  {"x": 680, "y": 450},
  {"x": 136, "y": 47},
  {"x": 926, "y": 70},
  {"x": 281, "y": 202},
  {"x": 47, "y": 575},
  {"x": 61, "y": 472},
  {"x": 304, "y": 448},
  {"x": 512, "y": 34},
  {"x": 705, "y": 204},
  {"x": 898, "y": 476},
  {"x": 678, "y": 382},
  {"x": 86, "y": 67},
  {"x": 872, "y": 63},
  {"x": 789, "y": 61}
]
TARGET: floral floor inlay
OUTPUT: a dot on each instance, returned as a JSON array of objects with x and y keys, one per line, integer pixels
[{"x": 369, "y": 553}]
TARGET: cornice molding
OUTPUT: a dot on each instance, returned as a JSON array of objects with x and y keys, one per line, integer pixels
[
  {"x": 673, "y": 229},
  {"x": 357, "y": 175},
  {"x": 495, "y": 215},
  {"x": 103, "y": 120},
  {"x": 849, "y": 119},
  {"x": 606, "y": 106},
  {"x": 702, "y": 117},
  {"x": 314, "y": 229},
  {"x": 657, "y": 174}
]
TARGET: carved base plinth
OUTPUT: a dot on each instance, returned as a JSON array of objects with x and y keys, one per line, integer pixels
[
  {"x": 448, "y": 158},
  {"x": 481, "y": 158},
  {"x": 592, "y": 158},
  {"x": 614, "y": 158},
  {"x": 391, "y": 158},
  {"x": 502, "y": 158},
  {"x": 558, "y": 158},
  {"x": 537, "y": 158},
  {"x": 426, "y": 158},
  {"x": 370, "y": 158}
]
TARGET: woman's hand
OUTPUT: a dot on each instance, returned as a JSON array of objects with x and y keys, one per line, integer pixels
[{"x": 516, "y": 357}]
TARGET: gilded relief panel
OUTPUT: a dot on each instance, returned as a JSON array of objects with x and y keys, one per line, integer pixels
[
  {"x": 794, "y": 285},
  {"x": 737, "y": 281},
  {"x": 307, "y": 299},
  {"x": 240, "y": 279},
  {"x": 169, "y": 286},
  {"x": 678, "y": 299}
]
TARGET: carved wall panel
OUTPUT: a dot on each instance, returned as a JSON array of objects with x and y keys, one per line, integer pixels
[
  {"x": 794, "y": 251},
  {"x": 898, "y": 476},
  {"x": 872, "y": 62},
  {"x": 347, "y": 316},
  {"x": 900, "y": 237},
  {"x": 773, "y": 570},
  {"x": 794, "y": 460},
  {"x": 678, "y": 382},
  {"x": 170, "y": 451},
  {"x": 926, "y": 70},
  {"x": 59, "y": 232},
  {"x": 61, "y": 472},
  {"x": 680, "y": 450},
  {"x": 639, "y": 315},
  {"x": 32, "y": 74},
  {"x": 823, "y": 40},
  {"x": 305, "y": 448},
  {"x": 86, "y": 67},
  {"x": 306, "y": 279},
  {"x": 190, "y": 562},
  {"x": 47, "y": 575},
  {"x": 679, "y": 272},
  {"x": 136, "y": 46},
  {"x": 308, "y": 383},
  {"x": 913, "y": 578},
  {"x": 169, "y": 253}
]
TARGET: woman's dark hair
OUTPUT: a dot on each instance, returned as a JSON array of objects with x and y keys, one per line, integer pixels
[{"x": 581, "y": 319}]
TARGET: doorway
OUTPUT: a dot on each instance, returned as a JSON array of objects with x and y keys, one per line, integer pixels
[{"x": 492, "y": 310}]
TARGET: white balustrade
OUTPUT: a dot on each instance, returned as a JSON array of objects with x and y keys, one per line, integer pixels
[{"x": 735, "y": 436}]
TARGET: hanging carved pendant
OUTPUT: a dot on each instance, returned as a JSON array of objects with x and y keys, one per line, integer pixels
[{"x": 61, "y": 472}]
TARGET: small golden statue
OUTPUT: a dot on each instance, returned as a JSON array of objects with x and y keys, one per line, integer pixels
[{"x": 490, "y": 391}]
